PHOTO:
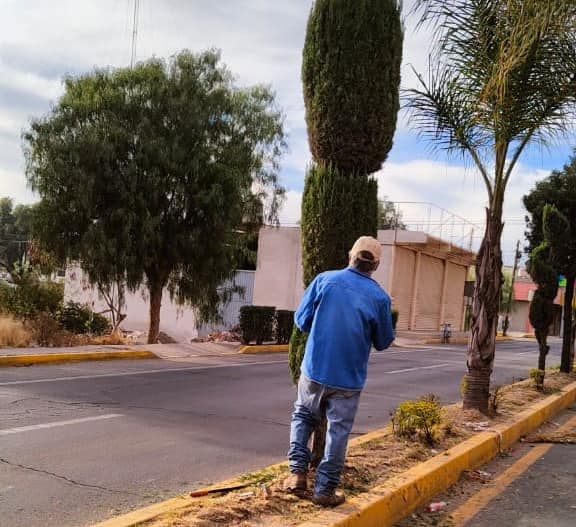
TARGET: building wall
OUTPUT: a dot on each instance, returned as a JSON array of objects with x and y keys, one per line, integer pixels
[
  {"x": 454, "y": 301},
  {"x": 278, "y": 279},
  {"x": 426, "y": 310},
  {"x": 426, "y": 290},
  {"x": 519, "y": 317},
  {"x": 403, "y": 285}
]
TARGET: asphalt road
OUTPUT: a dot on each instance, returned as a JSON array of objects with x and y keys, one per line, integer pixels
[
  {"x": 543, "y": 496},
  {"x": 82, "y": 442}
]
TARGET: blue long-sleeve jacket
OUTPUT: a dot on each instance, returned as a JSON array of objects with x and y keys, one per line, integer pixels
[{"x": 346, "y": 313}]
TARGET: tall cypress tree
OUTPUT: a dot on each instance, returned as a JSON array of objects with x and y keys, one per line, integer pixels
[{"x": 351, "y": 78}]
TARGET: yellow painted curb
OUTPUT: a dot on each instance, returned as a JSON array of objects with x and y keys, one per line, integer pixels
[
  {"x": 399, "y": 496},
  {"x": 74, "y": 356},
  {"x": 264, "y": 348}
]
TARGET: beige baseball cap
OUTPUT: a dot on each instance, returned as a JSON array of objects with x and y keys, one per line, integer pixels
[{"x": 368, "y": 244}]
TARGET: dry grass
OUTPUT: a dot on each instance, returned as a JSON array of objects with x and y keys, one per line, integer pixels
[
  {"x": 368, "y": 465},
  {"x": 13, "y": 334},
  {"x": 113, "y": 339}
]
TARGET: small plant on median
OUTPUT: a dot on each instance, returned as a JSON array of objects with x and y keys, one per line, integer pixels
[
  {"x": 419, "y": 418},
  {"x": 538, "y": 377},
  {"x": 494, "y": 398}
]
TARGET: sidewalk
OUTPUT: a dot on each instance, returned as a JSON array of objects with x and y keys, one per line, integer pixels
[
  {"x": 175, "y": 352},
  {"x": 184, "y": 351}
]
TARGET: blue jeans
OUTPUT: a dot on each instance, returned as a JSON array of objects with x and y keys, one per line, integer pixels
[{"x": 340, "y": 407}]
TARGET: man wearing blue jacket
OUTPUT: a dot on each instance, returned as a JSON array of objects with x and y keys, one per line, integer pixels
[{"x": 345, "y": 312}]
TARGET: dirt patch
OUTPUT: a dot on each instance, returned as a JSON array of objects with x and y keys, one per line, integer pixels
[{"x": 263, "y": 503}]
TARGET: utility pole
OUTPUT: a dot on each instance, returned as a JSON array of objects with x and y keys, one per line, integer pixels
[
  {"x": 517, "y": 257},
  {"x": 134, "y": 32}
]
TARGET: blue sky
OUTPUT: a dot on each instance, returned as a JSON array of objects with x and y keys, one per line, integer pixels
[{"x": 261, "y": 42}]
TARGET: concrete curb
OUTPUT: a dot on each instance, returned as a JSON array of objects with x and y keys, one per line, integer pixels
[
  {"x": 264, "y": 348},
  {"x": 401, "y": 495},
  {"x": 73, "y": 356}
]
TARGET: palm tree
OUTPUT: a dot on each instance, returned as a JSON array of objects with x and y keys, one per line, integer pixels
[{"x": 502, "y": 77}]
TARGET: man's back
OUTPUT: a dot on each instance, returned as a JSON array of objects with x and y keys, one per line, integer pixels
[{"x": 346, "y": 312}]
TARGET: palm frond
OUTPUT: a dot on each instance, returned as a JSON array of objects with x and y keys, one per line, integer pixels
[
  {"x": 504, "y": 75},
  {"x": 442, "y": 111}
]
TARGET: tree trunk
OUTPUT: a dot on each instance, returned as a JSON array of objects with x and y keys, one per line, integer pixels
[
  {"x": 567, "y": 360},
  {"x": 482, "y": 343},
  {"x": 155, "y": 290},
  {"x": 542, "y": 337},
  {"x": 319, "y": 442}
]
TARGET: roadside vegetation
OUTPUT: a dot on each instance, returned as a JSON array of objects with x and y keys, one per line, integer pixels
[{"x": 33, "y": 312}]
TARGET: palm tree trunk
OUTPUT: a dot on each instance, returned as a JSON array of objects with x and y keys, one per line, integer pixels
[
  {"x": 567, "y": 359},
  {"x": 482, "y": 343},
  {"x": 155, "y": 290}
]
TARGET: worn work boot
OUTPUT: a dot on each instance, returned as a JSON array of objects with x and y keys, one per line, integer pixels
[
  {"x": 328, "y": 500},
  {"x": 297, "y": 483}
]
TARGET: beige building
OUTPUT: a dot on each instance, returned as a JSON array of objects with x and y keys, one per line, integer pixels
[{"x": 424, "y": 275}]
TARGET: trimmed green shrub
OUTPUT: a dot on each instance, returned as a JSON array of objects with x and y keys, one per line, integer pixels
[
  {"x": 296, "y": 349},
  {"x": 78, "y": 318},
  {"x": 256, "y": 323},
  {"x": 284, "y": 324}
]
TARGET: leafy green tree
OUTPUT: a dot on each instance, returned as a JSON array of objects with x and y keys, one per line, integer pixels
[
  {"x": 559, "y": 190},
  {"x": 15, "y": 223},
  {"x": 389, "y": 217},
  {"x": 503, "y": 76},
  {"x": 145, "y": 175}
]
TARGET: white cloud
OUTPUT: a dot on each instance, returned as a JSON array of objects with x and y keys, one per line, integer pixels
[
  {"x": 13, "y": 185},
  {"x": 290, "y": 213}
]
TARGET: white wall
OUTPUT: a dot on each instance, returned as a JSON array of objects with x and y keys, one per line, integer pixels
[
  {"x": 175, "y": 321},
  {"x": 278, "y": 280}
]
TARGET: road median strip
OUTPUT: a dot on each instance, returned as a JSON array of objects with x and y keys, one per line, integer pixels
[
  {"x": 73, "y": 356},
  {"x": 400, "y": 495}
]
